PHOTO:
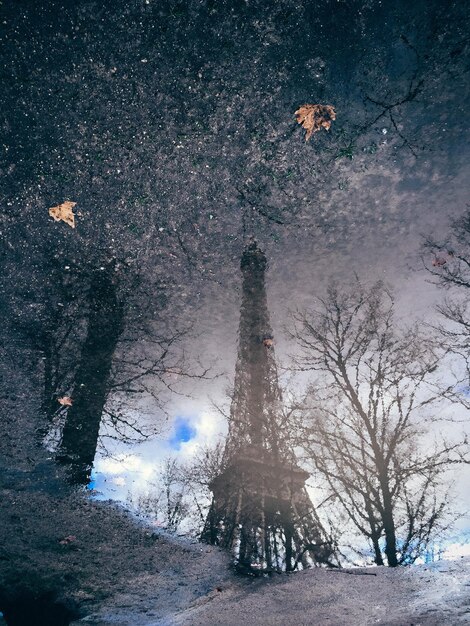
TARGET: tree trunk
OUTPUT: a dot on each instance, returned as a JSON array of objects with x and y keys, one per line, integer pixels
[
  {"x": 375, "y": 534},
  {"x": 49, "y": 404},
  {"x": 288, "y": 530},
  {"x": 389, "y": 525},
  {"x": 82, "y": 425},
  {"x": 377, "y": 551}
]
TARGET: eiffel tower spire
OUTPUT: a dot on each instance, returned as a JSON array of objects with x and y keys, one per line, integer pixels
[
  {"x": 256, "y": 405},
  {"x": 261, "y": 511}
]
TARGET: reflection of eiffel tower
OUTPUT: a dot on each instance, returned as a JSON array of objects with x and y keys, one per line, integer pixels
[{"x": 261, "y": 511}]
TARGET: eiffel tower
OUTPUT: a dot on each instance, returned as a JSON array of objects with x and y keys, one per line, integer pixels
[{"x": 260, "y": 510}]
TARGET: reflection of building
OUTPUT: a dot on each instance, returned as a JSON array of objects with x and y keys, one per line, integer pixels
[{"x": 261, "y": 511}]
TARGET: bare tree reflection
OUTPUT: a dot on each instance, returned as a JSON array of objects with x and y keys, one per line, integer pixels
[{"x": 363, "y": 422}]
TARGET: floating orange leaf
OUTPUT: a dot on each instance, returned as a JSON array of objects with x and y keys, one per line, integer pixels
[
  {"x": 63, "y": 212},
  {"x": 65, "y": 401},
  {"x": 314, "y": 117}
]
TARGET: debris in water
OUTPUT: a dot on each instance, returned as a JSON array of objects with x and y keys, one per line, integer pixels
[
  {"x": 439, "y": 261},
  {"x": 65, "y": 401},
  {"x": 63, "y": 212},
  {"x": 67, "y": 540},
  {"x": 314, "y": 117}
]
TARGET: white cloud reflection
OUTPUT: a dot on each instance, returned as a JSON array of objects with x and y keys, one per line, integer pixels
[{"x": 128, "y": 470}]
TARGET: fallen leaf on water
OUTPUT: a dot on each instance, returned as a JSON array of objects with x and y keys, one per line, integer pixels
[
  {"x": 63, "y": 212},
  {"x": 65, "y": 401},
  {"x": 314, "y": 117}
]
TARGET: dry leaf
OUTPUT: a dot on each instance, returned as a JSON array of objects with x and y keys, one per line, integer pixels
[
  {"x": 65, "y": 401},
  {"x": 63, "y": 212},
  {"x": 67, "y": 540},
  {"x": 268, "y": 342},
  {"x": 314, "y": 117},
  {"x": 438, "y": 261}
]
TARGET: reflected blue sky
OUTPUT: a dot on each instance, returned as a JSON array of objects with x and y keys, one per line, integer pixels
[{"x": 183, "y": 431}]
